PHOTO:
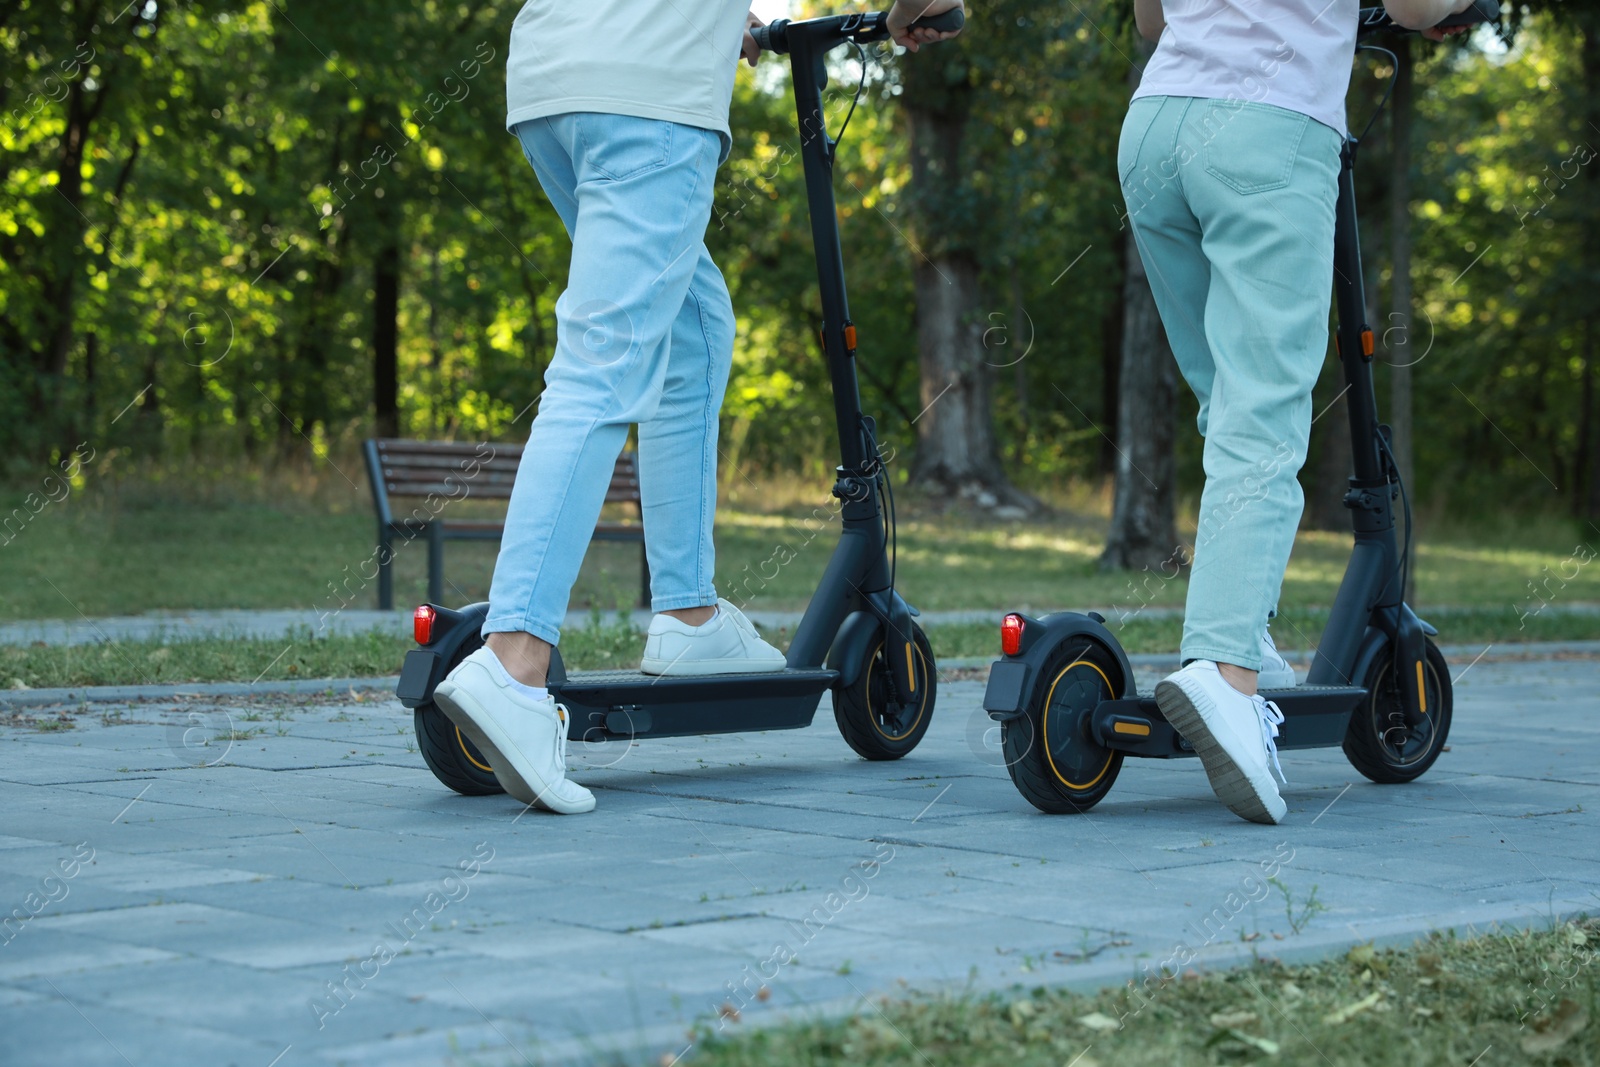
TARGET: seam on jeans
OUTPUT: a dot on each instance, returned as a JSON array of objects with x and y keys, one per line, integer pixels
[
  {"x": 1138, "y": 149},
  {"x": 701, "y": 582}
]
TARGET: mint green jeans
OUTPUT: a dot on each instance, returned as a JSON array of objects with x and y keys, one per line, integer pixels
[{"x": 1232, "y": 208}]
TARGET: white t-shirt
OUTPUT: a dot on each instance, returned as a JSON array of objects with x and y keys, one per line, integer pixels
[
  {"x": 1293, "y": 54},
  {"x": 654, "y": 59}
]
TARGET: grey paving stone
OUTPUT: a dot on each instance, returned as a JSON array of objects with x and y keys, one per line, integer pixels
[{"x": 615, "y": 931}]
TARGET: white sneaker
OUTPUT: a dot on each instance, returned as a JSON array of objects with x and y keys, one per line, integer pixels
[
  {"x": 1233, "y": 736},
  {"x": 1275, "y": 672},
  {"x": 727, "y": 643},
  {"x": 524, "y": 740}
]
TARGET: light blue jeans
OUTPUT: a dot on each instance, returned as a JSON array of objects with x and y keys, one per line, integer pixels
[
  {"x": 644, "y": 334},
  {"x": 1232, "y": 207}
]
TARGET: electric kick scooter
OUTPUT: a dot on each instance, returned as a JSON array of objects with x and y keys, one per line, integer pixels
[
  {"x": 857, "y": 637},
  {"x": 1063, "y": 690}
]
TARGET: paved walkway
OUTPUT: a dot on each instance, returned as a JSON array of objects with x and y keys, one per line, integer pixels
[{"x": 306, "y": 893}]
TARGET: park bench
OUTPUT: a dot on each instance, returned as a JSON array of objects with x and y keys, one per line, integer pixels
[{"x": 439, "y": 473}]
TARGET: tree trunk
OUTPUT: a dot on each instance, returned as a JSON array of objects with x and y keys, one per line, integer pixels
[
  {"x": 386, "y": 338},
  {"x": 1324, "y": 480},
  {"x": 1111, "y": 333},
  {"x": 1017, "y": 348},
  {"x": 957, "y": 453},
  {"x": 1143, "y": 533},
  {"x": 1586, "y": 493},
  {"x": 956, "y": 448}
]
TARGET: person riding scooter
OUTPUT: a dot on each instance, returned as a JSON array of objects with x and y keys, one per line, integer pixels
[
  {"x": 1229, "y": 159},
  {"x": 621, "y": 108}
]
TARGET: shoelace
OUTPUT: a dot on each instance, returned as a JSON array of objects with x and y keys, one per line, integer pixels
[{"x": 1271, "y": 717}]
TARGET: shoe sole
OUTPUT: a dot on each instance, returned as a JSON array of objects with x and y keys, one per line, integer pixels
[
  {"x": 1231, "y": 784},
  {"x": 667, "y": 668},
  {"x": 459, "y": 706}
]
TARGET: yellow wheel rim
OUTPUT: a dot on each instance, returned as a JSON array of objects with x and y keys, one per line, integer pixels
[
  {"x": 922, "y": 705},
  {"x": 467, "y": 752},
  {"x": 1063, "y": 779}
]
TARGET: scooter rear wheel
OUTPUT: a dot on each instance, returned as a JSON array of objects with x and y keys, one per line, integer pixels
[
  {"x": 1054, "y": 761},
  {"x": 875, "y": 724},
  {"x": 450, "y": 755},
  {"x": 1378, "y": 742}
]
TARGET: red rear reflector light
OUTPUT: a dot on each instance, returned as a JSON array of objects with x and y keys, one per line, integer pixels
[
  {"x": 1011, "y": 635},
  {"x": 422, "y": 624}
]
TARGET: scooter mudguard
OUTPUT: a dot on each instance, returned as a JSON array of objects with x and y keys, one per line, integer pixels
[
  {"x": 1012, "y": 678},
  {"x": 859, "y": 634},
  {"x": 424, "y": 668}
]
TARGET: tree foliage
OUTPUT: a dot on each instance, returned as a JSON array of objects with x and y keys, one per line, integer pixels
[{"x": 221, "y": 221}]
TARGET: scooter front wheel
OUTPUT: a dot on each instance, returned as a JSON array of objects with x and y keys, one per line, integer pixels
[
  {"x": 450, "y": 754},
  {"x": 875, "y": 720},
  {"x": 1379, "y": 742},
  {"x": 1053, "y": 758}
]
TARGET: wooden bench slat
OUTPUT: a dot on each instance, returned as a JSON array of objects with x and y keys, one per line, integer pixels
[
  {"x": 403, "y": 446},
  {"x": 462, "y": 470}
]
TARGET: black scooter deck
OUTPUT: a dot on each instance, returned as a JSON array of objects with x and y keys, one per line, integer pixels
[
  {"x": 1315, "y": 716},
  {"x": 618, "y": 705}
]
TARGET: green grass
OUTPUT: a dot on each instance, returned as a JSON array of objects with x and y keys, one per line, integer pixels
[
  {"x": 1516, "y": 998},
  {"x": 223, "y": 659},
  {"x": 245, "y": 540},
  {"x": 610, "y": 643}
]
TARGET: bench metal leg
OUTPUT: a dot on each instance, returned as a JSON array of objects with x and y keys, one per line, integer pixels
[
  {"x": 385, "y": 569},
  {"x": 435, "y": 562}
]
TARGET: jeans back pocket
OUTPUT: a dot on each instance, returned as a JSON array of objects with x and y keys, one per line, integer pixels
[
  {"x": 617, "y": 147},
  {"x": 1251, "y": 148}
]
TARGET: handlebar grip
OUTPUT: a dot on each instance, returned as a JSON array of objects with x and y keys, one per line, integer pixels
[
  {"x": 1481, "y": 11},
  {"x": 771, "y": 37},
  {"x": 951, "y": 21}
]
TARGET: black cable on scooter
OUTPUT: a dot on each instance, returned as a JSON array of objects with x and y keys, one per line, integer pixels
[
  {"x": 1387, "y": 92},
  {"x": 1405, "y": 504},
  {"x": 861, "y": 57},
  {"x": 882, "y": 476}
]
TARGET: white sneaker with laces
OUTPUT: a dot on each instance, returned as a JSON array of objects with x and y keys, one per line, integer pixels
[
  {"x": 524, "y": 740},
  {"x": 1275, "y": 672},
  {"x": 727, "y": 643},
  {"x": 1233, "y": 735}
]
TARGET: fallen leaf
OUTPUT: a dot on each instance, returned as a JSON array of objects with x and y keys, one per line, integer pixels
[
  {"x": 1553, "y": 1031},
  {"x": 1100, "y": 1024},
  {"x": 1362, "y": 955},
  {"x": 1260, "y": 1044},
  {"x": 1228, "y": 1020},
  {"x": 1350, "y": 1011}
]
